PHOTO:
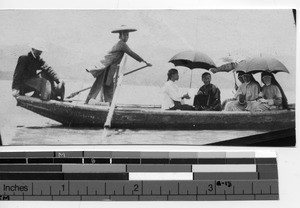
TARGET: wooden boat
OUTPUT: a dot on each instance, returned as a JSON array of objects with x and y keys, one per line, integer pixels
[{"x": 77, "y": 114}]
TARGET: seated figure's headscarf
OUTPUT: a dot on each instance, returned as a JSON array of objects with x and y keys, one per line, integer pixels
[{"x": 252, "y": 79}]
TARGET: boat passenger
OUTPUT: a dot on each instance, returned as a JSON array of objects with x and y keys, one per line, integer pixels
[
  {"x": 172, "y": 99},
  {"x": 45, "y": 85},
  {"x": 208, "y": 96},
  {"x": 247, "y": 92},
  {"x": 271, "y": 96},
  {"x": 105, "y": 82},
  {"x": 240, "y": 78}
]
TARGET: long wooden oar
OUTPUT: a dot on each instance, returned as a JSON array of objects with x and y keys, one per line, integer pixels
[
  {"x": 79, "y": 91},
  {"x": 112, "y": 107}
]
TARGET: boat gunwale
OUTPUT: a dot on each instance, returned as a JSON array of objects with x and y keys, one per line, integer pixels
[
  {"x": 70, "y": 114},
  {"x": 141, "y": 109}
]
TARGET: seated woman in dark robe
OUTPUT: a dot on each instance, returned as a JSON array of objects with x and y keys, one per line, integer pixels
[{"x": 208, "y": 96}]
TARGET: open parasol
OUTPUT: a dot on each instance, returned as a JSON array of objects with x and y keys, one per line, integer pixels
[
  {"x": 261, "y": 64},
  {"x": 192, "y": 60}
]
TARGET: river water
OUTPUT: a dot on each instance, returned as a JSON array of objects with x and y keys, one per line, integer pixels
[{"x": 19, "y": 126}]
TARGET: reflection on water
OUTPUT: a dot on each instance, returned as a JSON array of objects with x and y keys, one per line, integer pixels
[
  {"x": 21, "y": 127},
  {"x": 58, "y": 135}
]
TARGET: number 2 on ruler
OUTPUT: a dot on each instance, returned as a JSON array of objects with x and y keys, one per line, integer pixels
[{"x": 136, "y": 186}]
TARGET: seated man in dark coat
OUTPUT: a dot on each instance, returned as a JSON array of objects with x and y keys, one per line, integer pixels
[
  {"x": 45, "y": 85},
  {"x": 208, "y": 96}
]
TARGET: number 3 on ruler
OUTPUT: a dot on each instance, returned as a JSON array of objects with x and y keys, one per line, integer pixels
[{"x": 210, "y": 187}]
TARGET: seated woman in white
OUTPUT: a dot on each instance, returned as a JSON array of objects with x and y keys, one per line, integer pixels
[
  {"x": 247, "y": 92},
  {"x": 172, "y": 99},
  {"x": 228, "y": 100}
]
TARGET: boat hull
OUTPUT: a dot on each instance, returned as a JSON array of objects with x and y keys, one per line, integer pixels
[{"x": 70, "y": 114}]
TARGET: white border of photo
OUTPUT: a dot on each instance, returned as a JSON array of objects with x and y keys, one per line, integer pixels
[{"x": 288, "y": 164}]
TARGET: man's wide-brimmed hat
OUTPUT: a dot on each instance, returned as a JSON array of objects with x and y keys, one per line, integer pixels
[
  {"x": 124, "y": 28},
  {"x": 38, "y": 44}
]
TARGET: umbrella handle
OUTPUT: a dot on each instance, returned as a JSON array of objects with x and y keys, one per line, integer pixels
[
  {"x": 235, "y": 84},
  {"x": 191, "y": 78}
]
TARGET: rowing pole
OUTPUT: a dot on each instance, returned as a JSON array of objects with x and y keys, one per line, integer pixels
[
  {"x": 112, "y": 107},
  {"x": 77, "y": 92}
]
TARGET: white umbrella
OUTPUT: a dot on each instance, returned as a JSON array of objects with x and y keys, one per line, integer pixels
[{"x": 260, "y": 64}]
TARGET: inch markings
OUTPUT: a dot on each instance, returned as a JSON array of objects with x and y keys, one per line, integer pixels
[
  {"x": 138, "y": 176},
  {"x": 11, "y": 190}
]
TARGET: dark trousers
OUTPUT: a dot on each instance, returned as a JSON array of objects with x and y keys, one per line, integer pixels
[
  {"x": 179, "y": 106},
  {"x": 99, "y": 86},
  {"x": 40, "y": 86}
]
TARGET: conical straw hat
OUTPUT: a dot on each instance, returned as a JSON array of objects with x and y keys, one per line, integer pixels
[{"x": 124, "y": 28}]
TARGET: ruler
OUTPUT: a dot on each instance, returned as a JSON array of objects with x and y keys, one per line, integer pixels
[{"x": 138, "y": 176}]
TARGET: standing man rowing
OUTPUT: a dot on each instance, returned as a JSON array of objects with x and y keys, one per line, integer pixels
[{"x": 104, "y": 82}]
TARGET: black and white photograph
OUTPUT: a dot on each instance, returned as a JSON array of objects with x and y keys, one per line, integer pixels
[
  {"x": 148, "y": 77},
  {"x": 148, "y": 103}
]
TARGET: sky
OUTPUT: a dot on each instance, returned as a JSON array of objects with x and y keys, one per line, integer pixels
[{"x": 79, "y": 39}]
